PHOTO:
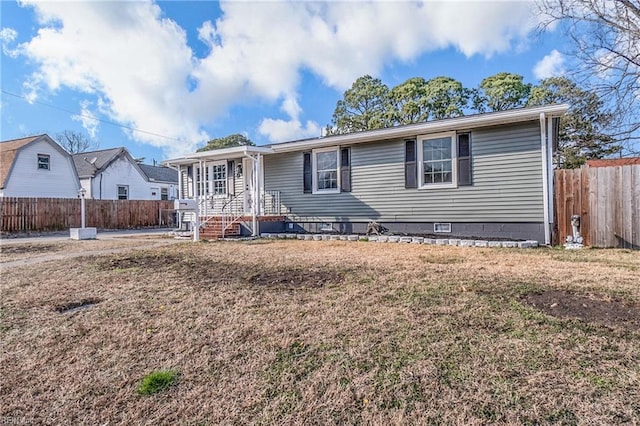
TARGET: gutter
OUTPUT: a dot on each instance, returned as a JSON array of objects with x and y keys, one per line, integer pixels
[{"x": 411, "y": 130}]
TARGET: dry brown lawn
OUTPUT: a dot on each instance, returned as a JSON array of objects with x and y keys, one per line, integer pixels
[{"x": 319, "y": 332}]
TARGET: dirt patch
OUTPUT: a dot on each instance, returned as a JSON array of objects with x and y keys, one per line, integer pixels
[
  {"x": 294, "y": 278},
  {"x": 153, "y": 261},
  {"x": 30, "y": 248},
  {"x": 200, "y": 271},
  {"x": 565, "y": 304},
  {"x": 76, "y": 306}
]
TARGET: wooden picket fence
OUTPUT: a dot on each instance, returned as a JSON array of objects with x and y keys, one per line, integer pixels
[
  {"x": 51, "y": 214},
  {"x": 607, "y": 200}
]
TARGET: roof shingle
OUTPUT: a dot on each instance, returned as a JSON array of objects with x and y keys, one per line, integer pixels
[{"x": 8, "y": 151}]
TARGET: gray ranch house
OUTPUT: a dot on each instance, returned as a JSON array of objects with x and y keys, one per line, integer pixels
[{"x": 485, "y": 176}]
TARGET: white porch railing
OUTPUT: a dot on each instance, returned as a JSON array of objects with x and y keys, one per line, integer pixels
[
  {"x": 270, "y": 203},
  {"x": 232, "y": 209},
  {"x": 216, "y": 205}
]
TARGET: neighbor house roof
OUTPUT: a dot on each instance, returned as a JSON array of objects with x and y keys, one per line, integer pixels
[
  {"x": 614, "y": 162},
  {"x": 9, "y": 151},
  {"x": 160, "y": 173},
  {"x": 90, "y": 163}
]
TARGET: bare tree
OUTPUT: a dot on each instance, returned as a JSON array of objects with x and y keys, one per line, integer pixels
[
  {"x": 606, "y": 43},
  {"x": 75, "y": 142}
]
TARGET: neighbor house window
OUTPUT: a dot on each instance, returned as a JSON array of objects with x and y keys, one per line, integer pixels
[
  {"x": 164, "y": 193},
  {"x": 43, "y": 162},
  {"x": 437, "y": 161},
  {"x": 219, "y": 179},
  {"x": 123, "y": 192}
]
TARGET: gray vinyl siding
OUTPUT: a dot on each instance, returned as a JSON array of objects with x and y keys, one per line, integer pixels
[{"x": 507, "y": 184}]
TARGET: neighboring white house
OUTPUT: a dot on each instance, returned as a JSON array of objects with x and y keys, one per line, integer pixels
[
  {"x": 163, "y": 181},
  {"x": 113, "y": 174},
  {"x": 36, "y": 167}
]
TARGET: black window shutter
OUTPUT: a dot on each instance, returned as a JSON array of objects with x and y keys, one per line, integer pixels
[
  {"x": 231, "y": 177},
  {"x": 410, "y": 164},
  {"x": 345, "y": 169},
  {"x": 464, "y": 159},
  {"x": 307, "y": 174}
]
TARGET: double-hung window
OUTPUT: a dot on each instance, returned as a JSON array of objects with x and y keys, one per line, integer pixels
[
  {"x": 123, "y": 192},
  {"x": 219, "y": 172},
  {"x": 326, "y": 170},
  {"x": 440, "y": 160},
  {"x": 437, "y": 161},
  {"x": 44, "y": 162},
  {"x": 437, "y": 166}
]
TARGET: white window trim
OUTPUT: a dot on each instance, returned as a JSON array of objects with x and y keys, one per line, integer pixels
[
  {"x": 48, "y": 157},
  {"x": 314, "y": 169},
  {"x": 118, "y": 192},
  {"x": 226, "y": 178},
  {"x": 454, "y": 161}
]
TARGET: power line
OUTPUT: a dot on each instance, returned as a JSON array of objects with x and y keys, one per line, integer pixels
[{"x": 133, "y": 129}]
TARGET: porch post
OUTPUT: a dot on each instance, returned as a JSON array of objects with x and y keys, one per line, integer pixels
[
  {"x": 180, "y": 194},
  {"x": 255, "y": 195}
]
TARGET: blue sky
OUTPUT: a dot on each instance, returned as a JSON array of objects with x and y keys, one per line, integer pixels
[{"x": 185, "y": 72}]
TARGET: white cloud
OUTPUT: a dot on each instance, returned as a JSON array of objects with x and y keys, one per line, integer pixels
[
  {"x": 552, "y": 65},
  {"x": 128, "y": 55},
  {"x": 7, "y": 37},
  {"x": 139, "y": 66},
  {"x": 278, "y": 130},
  {"x": 87, "y": 118}
]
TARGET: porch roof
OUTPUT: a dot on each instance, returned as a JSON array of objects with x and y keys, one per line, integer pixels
[{"x": 219, "y": 154}]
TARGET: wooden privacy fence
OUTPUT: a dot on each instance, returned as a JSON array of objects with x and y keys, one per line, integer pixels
[
  {"x": 607, "y": 198},
  {"x": 50, "y": 214}
]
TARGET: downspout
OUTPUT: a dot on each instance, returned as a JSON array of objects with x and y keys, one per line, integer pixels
[
  {"x": 545, "y": 178},
  {"x": 550, "y": 191}
]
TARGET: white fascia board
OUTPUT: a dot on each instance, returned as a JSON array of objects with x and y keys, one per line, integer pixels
[
  {"x": 412, "y": 130},
  {"x": 219, "y": 154}
]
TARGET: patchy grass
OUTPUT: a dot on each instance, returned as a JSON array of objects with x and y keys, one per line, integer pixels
[
  {"x": 157, "y": 381},
  {"x": 299, "y": 332},
  {"x": 12, "y": 250}
]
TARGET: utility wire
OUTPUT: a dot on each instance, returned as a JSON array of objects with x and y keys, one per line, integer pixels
[{"x": 133, "y": 129}]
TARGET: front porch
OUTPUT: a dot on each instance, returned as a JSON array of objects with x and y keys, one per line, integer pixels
[
  {"x": 228, "y": 187},
  {"x": 237, "y": 215}
]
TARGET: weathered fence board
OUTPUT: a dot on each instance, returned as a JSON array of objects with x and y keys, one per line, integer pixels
[
  {"x": 50, "y": 214},
  {"x": 607, "y": 200},
  {"x": 571, "y": 197},
  {"x": 615, "y": 206}
]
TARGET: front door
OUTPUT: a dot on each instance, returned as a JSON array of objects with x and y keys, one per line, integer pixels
[{"x": 247, "y": 176}]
